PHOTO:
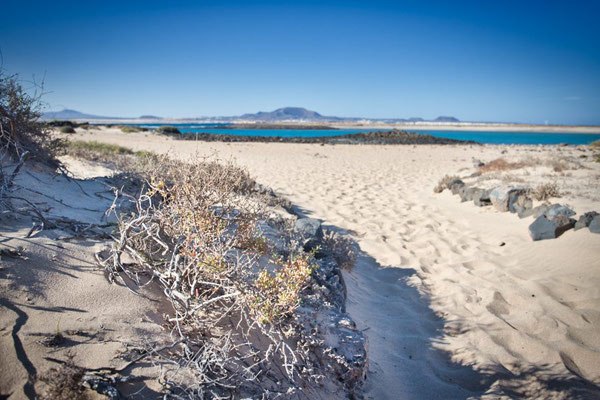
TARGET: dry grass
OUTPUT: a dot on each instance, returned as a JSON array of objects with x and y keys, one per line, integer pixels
[
  {"x": 545, "y": 191},
  {"x": 500, "y": 164}
]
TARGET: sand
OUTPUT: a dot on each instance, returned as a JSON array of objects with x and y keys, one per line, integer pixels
[{"x": 456, "y": 301}]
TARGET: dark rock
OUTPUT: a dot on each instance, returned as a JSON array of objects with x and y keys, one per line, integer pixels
[
  {"x": 519, "y": 202},
  {"x": 481, "y": 198},
  {"x": 595, "y": 224},
  {"x": 456, "y": 185},
  {"x": 540, "y": 210},
  {"x": 466, "y": 193},
  {"x": 501, "y": 196},
  {"x": 585, "y": 220},
  {"x": 310, "y": 231},
  {"x": 544, "y": 228},
  {"x": 557, "y": 209},
  {"x": 477, "y": 163}
]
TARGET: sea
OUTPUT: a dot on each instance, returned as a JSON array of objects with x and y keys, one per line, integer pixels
[{"x": 531, "y": 138}]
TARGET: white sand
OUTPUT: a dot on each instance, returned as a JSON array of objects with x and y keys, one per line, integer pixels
[{"x": 448, "y": 311}]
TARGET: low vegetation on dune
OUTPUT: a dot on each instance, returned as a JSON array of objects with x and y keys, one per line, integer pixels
[{"x": 132, "y": 129}]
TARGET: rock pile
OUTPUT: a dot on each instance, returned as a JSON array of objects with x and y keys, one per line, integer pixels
[{"x": 550, "y": 220}]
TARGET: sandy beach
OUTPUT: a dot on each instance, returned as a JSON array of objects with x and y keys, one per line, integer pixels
[{"x": 456, "y": 301}]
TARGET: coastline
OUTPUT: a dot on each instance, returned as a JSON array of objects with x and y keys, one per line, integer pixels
[
  {"x": 422, "y": 284},
  {"x": 460, "y": 126}
]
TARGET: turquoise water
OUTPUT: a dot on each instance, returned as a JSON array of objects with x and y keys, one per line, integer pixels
[{"x": 477, "y": 136}]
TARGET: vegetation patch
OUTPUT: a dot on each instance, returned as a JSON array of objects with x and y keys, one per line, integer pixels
[{"x": 545, "y": 191}]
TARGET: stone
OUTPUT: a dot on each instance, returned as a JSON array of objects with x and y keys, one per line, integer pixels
[
  {"x": 481, "y": 198},
  {"x": 501, "y": 195},
  {"x": 540, "y": 210},
  {"x": 477, "y": 163},
  {"x": 519, "y": 202},
  {"x": 310, "y": 231},
  {"x": 557, "y": 209},
  {"x": 585, "y": 220},
  {"x": 595, "y": 224},
  {"x": 466, "y": 193},
  {"x": 544, "y": 228},
  {"x": 456, "y": 185}
]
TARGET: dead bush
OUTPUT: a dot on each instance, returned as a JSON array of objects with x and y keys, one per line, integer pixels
[
  {"x": 195, "y": 231},
  {"x": 20, "y": 129},
  {"x": 500, "y": 164},
  {"x": 545, "y": 191},
  {"x": 343, "y": 248}
]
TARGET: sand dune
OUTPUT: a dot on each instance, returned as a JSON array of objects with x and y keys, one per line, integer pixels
[{"x": 456, "y": 300}]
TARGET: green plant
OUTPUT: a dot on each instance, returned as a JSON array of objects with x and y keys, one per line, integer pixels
[
  {"x": 278, "y": 294},
  {"x": 132, "y": 129},
  {"x": 66, "y": 129},
  {"x": 169, "y": 130}
]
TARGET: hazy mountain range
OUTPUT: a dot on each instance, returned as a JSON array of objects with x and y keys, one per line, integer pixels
[{"x": 279, "y": 115}]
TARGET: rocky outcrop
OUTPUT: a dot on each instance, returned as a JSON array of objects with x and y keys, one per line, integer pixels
[
  {"x": 585, "y": 220},
  {"x": 550, "y": 228},
  {"x": 595, "y": 224},
  {"x": 379, "y": 137}
]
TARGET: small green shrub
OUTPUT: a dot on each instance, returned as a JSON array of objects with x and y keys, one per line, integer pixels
[
  {"x": 169, "y": 130},
  {"x": 132, "y": 129},
  {"x": 97, "y": 147},
  {"x": 66, "y": 129}
]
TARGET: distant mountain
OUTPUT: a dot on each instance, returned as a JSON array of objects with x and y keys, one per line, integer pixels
[
  {"x": 279, "y": 115},
  {"x": 287, "y": 114},
  {"x": 67, "y": 114},
  {"x": 446, "y": 119}
]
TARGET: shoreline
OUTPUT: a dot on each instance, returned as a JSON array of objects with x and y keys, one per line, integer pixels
[{"x": 454, "y": 126}]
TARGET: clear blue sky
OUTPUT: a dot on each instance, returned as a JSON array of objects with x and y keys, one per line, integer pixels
[{"x": 526, "y": 61}]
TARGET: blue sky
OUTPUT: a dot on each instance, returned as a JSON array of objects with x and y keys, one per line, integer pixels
[{"x": 529, "y": 61}]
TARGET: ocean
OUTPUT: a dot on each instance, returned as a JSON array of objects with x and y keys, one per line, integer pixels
[{"x": 531, "y": 138}]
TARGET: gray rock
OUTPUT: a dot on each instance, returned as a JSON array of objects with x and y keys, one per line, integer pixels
[
  {"x": 523, "y": 212},
  {"x": 519, "y": 202},
  {"x": 477, "y": 163},
  {"x": 310, "y": 231},
  {"x": 557, "y": 209},
  {"x": 309, "y": 228},
  {"x": 456, "y": 185},
  {"x": 595, "y": 224},
  {"x": 467, "y": 193},
  {"x": 501, "y": 196},
  {"x": 544, "y": 228},
  {"x": 585, "y": 220},
  {"x": 481, "y": 198},
  {"x": 540, "y": 210}
]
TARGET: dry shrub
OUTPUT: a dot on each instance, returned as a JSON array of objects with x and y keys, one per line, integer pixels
[
  {"x": 64, "y": 383},
  {"x": 66, "y": 129},
  {"x": 595, "y": 144},
  {"x": 444, "y": 182},
  {"x": 545, "y": 191},
  {"x": 195, "y": 230},
  {"x": 20, "y": 129},
  {"x": 500, "y": 164},
  {"x": 343, "y": 248}
]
